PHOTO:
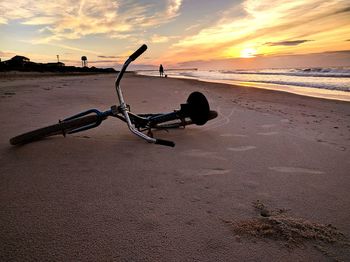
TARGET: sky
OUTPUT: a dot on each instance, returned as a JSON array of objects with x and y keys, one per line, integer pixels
[{"x": 204, "y": 34}]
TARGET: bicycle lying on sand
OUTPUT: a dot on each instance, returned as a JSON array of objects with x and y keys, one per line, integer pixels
[{"x": 195, "y": 111}]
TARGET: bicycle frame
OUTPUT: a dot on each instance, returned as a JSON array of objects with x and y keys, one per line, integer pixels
[{"x": 124, "y": 109}]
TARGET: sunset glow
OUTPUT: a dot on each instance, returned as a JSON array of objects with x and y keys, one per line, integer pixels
[
  {"x": 178, "y": 32},
  {"x": 248, "y": 53}
]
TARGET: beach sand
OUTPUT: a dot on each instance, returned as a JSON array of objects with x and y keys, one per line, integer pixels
[{"x": 268, "y": 180}]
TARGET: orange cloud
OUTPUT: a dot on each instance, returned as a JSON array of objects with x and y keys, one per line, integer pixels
[{"x": 255, "y": 23}]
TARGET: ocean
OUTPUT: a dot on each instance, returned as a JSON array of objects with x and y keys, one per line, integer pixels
[{"x": 330, "y": 83}]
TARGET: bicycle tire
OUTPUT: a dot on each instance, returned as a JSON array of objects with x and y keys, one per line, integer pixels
[{"x": 56, "y": 129}]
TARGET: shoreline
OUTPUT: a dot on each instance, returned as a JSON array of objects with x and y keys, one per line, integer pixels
[
  {"x": 250, "y": 86},
  {"x": 299, "y": 90},
  {"x": 296, "y": 90}
]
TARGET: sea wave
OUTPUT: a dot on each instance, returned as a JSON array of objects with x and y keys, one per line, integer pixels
[
  {"x": 307, "y": 72},
  {"x": 322, "y": 78},
  {"x": 307, "y": 85}
]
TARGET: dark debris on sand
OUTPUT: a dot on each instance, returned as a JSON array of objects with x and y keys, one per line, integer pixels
[{"x": 292, "y": 232}]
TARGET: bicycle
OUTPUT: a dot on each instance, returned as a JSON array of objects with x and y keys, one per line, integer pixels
[{"x": 195, "y": 111}]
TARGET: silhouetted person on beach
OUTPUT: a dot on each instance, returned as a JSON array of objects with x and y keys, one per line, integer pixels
[{"x": 161, "y": 70}]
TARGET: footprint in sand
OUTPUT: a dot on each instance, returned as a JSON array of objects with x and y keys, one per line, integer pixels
[
  {"x": 205, "y": 154},
  {"x": 9, "y": 93},
  {"x": 268, "y": 133},
  {"x": 226, "y": 135},
  {"x": 231, "y": 135},
  {"x": 286, "y": 169},
  {"x": 214, "y": 171},
  {"x": 83, "y": 136},
  {"x": 241, "y": 148},
  {"x": 203, "y": 172},
  {"x": 250, "y": 184},
  {"x": 268, "y": 125},
  {"x": 285, "y": 121}
]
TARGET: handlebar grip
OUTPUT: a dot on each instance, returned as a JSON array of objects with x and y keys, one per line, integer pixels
[
  {"x": 165, "y": 142},
  {"x": 138, "y": 52}
]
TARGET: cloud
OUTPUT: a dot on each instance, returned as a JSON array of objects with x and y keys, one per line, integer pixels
[
  {"x": 159, "y": 39},
  {"x": 41, "y": 20},
  {"x": 322, "y": 59},
  {"x": 173, "y": 7},
  {"x": 7, "y": 54},
  {"x": 109, "y": 56},
  {"x": 3, "y": 20},
  {"x": 71, "y": 19},
  {"x": 252, "y": 24},
  {"x": 287, "y": 43},
  {"x": 102, "y": 61},
  {"x": 344, "y": 52},
  {"x": 80, "y": 50}
]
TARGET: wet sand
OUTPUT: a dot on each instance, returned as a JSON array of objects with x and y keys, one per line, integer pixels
[{"x": 107, "y": 195}]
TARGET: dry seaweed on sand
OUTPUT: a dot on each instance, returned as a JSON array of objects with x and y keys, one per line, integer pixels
[{"x": 293, "y": 232}]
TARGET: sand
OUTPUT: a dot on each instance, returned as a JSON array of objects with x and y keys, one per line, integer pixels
[{"x": 106, "y": 195}]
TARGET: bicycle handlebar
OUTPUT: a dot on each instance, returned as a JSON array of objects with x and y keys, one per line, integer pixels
[
  {"x": 123, "y": 105},
  {"x": 138, "y": 52},
  {"x": 165, "y": 142}
]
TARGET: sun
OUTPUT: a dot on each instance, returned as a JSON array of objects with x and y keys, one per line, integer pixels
[{"x": 248, "y": 52}]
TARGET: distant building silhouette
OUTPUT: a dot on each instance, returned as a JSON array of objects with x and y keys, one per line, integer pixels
[
  {"x": 84, "y": 61},
  {"x": 19, "y": 58},
  {"x": 56, "y": 64},
  {"x": 23, "y": 64},
  {"x": 18, "y": 61}
]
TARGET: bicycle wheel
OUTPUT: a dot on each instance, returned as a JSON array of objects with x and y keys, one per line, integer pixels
[{"x": 60, "y": 128}]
